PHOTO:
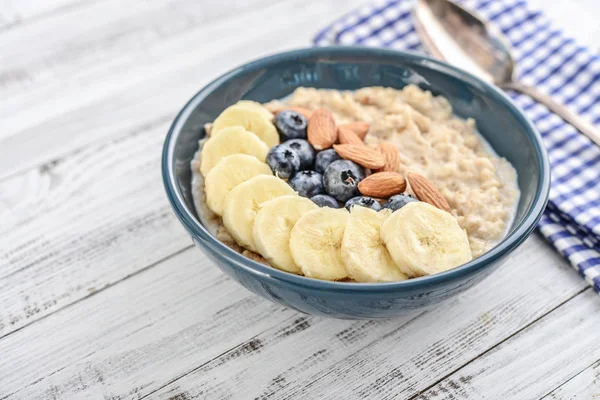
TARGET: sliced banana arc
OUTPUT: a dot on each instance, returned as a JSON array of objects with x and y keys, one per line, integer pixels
[
  {"x": 425, "y": 240},
  {"x": 273, "y": 226},
  {"x": 249, "y": 118},
  {"x": 316, "y": 242},
  {"x": 366, "y": 256},
  {"x": 232, "y": 140},
  {"x": 245, "y": 200},
  {"x": 229, "y": 172}
]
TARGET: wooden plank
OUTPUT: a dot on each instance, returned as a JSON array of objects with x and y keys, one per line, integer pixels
[
  {"x": 82, "y": 224},
  {"x": 183, "y": 328},
  {"x": 530, "y": 363},
  {"x": 583, "y": 386},
  {"x": 345, "y": 359},
  {"x": 39, "y": 191},
  {"x": 137, "y": 335},
  {"x": 87, "y": 47},
  {"x": 15, "y": 12},
  {"x": 164, "y": 64}
]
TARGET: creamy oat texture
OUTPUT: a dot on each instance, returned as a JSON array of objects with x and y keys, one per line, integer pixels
[{"x": 480, "y": 187}]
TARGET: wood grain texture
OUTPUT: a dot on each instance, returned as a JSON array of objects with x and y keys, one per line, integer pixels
[
  {"x": 99, "y": 40},
  {"x": 583, "y": 386},
  {"x": 73, "y": 80},
  {"x": 136, "y": 336},
  {"x": 375, "y": 359},
  {"x": 183, "y": 328},
  {"x": 88, "y": 221},
  {"x": 533, "y": 360}
]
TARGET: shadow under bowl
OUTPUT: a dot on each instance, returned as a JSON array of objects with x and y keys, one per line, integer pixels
[{"x": 348, "y": 68}]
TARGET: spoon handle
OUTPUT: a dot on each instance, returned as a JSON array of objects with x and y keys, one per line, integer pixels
[{"x": 559, "y": 109}]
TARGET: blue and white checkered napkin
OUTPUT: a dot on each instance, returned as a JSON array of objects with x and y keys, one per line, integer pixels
[{"x": 553, "y": 63}]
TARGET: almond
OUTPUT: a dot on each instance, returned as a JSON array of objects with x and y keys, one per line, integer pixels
[
  {"x": 360, "y": 128},
  {"x": 322, "y": 132},
  {"x": 426, "y": 191},
  {"x": 390, "y": 155},
  {"x": 301, "y": 110},
  {"x": 382, "y": 184},
  {"x": 347, "y": 136},
  {"x": 362, "y": 155}
]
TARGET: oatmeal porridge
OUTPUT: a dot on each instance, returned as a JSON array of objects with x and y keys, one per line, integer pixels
[{"x": 423, "y": 191}]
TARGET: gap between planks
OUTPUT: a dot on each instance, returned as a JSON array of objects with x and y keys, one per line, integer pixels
[
  {"x": 525, "y": 327},
  {"x": 585, "y": 385},
  {"x": 88, "y": 222},
  {"x": 195, "y": 310},
  {"x": 552, "y": 350},
  {"x": 107, "y": 286},
  {"x": 299, "y": 321},
  {"x": 158, "y": 60}
]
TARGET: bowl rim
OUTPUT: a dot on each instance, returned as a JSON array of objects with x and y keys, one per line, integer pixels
[{"x": 219, "y": 249}]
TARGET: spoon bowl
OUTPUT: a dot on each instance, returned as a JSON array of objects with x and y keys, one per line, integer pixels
[
  {"x": 469, "y": 42},
  {"x": 458, "y": 36}
]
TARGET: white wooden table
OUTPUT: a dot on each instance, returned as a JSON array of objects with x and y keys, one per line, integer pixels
[{"x": 102, "y": 295}]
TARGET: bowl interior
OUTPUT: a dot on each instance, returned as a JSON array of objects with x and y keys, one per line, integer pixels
[{"x": 344, "y": 68}]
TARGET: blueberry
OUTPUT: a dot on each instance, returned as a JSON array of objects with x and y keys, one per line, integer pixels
[
  {"x": 322, "y": 200},
  {"x": 304, "y": 150},
  {"x": 363, "y": 201},
  {"x": 290, "y": 125},
  {"x": 398, "y": 201},
  {"x": 341, "y": 179},
  {"x": 284, "y": 162},
  {"x": 307, "y": 183},
  {"x": 324, "y": 158}
]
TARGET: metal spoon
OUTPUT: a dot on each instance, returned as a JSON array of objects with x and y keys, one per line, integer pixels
[{"x": 453, "y": 34}]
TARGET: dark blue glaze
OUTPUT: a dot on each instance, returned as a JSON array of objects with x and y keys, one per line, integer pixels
[{"x": 347, "y": 68}]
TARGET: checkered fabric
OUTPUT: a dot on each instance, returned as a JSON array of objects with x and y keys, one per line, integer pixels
[{"x": 548, "y": 60}]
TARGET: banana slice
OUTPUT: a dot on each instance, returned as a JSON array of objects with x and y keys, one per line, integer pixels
[
  {"x": 232, "y": 140},
  {"x": 249, "y": 118},
  {"x": 245, "y": 200},
  {"x": 425, "y": 240},
  {"x": 227, "y": 174},
  {"x": 364, "y": 253},
  {"x": 273, "y": 226},
  {"x": 315, "y": 243},
  {"x": 268, "y": 115}
]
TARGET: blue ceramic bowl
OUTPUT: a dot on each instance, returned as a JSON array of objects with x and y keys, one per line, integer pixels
[{"x": 347, "y": 68}]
